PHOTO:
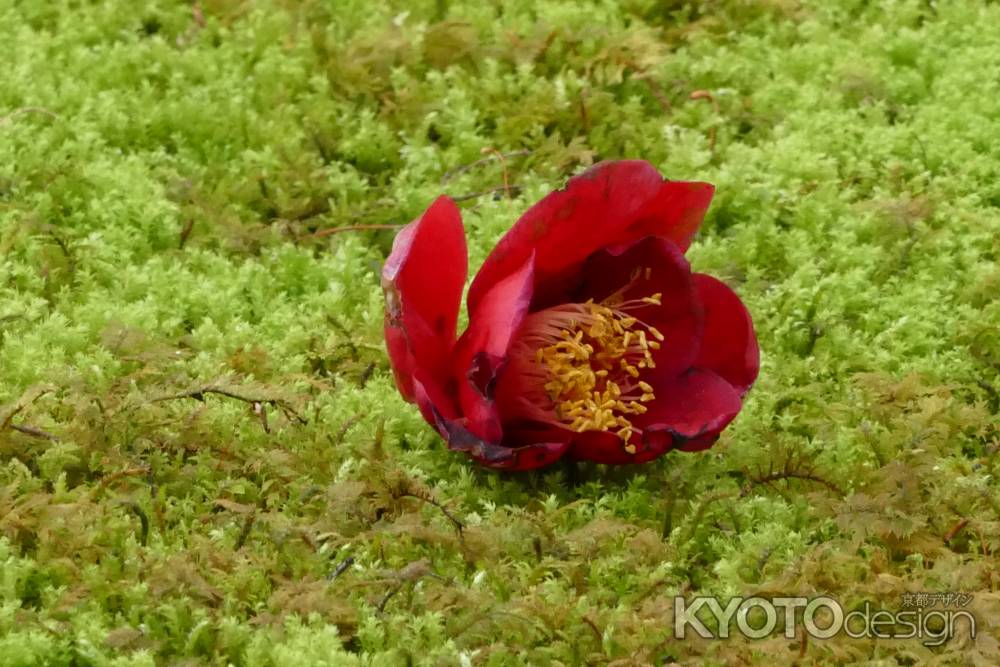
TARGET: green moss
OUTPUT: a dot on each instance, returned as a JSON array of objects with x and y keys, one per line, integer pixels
[{"x": 203, "y": 458}]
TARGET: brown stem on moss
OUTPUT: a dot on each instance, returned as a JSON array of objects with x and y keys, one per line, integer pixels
[
  {"x": 248, "y": 523},
  {"x": 143, "y": 519},
  {"x": 955, "y": 530},
  {"x": 352, "y": 228},
  {"x": 657, "y": 90},
  {"x": 793, "y": 468},
  {"x": 506, "y": 188},
  {"x": 199, "y": 395},
  {"x": 26, "y": 110},
  {"x": 27, "y": 398},
  {"x": 493, "y": 155},
  {"x": 344, "y": 428},
  {"x": 700, "y": 512},
  {"x": 706, "y": 95},
  {"x": 33, "y": 432},
  {"x": 341, "y": 568},
  {"x": 115, "y": 476},
  {"x": 792, "y": 474},
  {"x": 186, "y": 233},
  {"x": 459, "y": 526},
  {"x": 803, "y": 645}
]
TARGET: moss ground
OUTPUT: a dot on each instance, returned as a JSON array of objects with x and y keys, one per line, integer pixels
[{"x": 202, "y": 455}]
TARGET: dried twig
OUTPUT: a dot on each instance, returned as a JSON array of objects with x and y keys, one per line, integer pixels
[
  {"x": 506, "y": 188},
  {"x": 186, "y": 233},
  {"x": 783, "y": 474},
  {"x": 793, "y": 468},
  {"x": 584, "y": 115},
  {"x": 657, "y": 90},
  {"x": 143, "y": 519},
  {"x": 341, "y": 568},
  {"x": 409, "y": 574},
  {"x": 33, "y": 432},
  {"x": 199, "y": 395},
  {"x": 26, "y": 110},
  {"x": 27, "y": 398},
  {"x": 493, "y": 155},
  {"x": 261, "y": 412},
  {"x": 115, "y": 476},
  {"x": 197, "y": 14},
  {"x": 388, "y": 596},
  {"x": 366, "y": 374},
  {"x": 955, "y": 530},
  {"x": 459, "y": 526},
  {"x": 344, "y": 428},
  {"x": 352, "y": 228},
  {"x": 804, "y": 646},
  {"x": 245, "y": 531},
  {"x": 706, "y": 95}
]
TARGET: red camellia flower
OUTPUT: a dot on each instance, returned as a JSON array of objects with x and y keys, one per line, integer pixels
[{"x": 588, "y": 335}]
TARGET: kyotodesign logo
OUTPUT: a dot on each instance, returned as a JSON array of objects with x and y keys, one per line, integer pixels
[{"x": 824, "y": 617}]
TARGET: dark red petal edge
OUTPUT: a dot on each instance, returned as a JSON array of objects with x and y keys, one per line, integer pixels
[
  {"x": 729, "y": 346},
  {"x": 481, "y": 352},
  {"x": 610, "y": 203},
  {"x": 498, "y": 457},
  {"x": 691, "y": 408},
  {"x": 422, "y": 280}
]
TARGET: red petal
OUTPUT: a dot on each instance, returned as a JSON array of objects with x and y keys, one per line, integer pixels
[
  {"x": 679, "y": 319},
  {"x": 482, "y": 350},
  {"x": 609, "y": 204},
  {"x": 498, "y": 456},
  {"x": 676, "y": 212},
  {"x": 606, "y": 447},
  {"x": 423, "y": 280},
  {"x": 537, "y": 455},
  {"x": 693, "y": 406},
  {"x": 729, "y": 346},
  {"x": 698, "y": 444}
]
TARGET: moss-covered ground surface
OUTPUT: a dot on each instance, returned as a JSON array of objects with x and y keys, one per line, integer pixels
[{"x": 203, "y": 459}]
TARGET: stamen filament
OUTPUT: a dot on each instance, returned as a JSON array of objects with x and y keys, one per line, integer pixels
[{"x": 581, "y": 363}]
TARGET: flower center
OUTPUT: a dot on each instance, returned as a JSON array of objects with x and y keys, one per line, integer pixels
[{"x": 580, "y": 365}]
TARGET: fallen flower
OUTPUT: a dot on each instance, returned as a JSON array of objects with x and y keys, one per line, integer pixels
[{"x": 588, "y": 335}]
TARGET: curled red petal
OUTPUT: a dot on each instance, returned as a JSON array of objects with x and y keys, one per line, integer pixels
[
  {"x": 497, "y": 456},
  {"x": 535, "y": 455},
  {"x": 422, "y": 280},
  {"x": 606, "y": 447},
  {"x": 692, "y": 407},
  {"x": 679, "y": 317},
  {"x": 609, "y": 204},
  {"x": 481, "y": 352},
  {"x": 701, "y": 443},
  {"x": 729, "y": 345},
  {"x": 676, "y": 212}
]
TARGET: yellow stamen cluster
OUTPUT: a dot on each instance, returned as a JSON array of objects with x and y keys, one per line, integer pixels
[{"x": 589, "y": 358}]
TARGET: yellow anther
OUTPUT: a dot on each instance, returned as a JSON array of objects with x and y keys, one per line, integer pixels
[{"x": 588, "y": 358}]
